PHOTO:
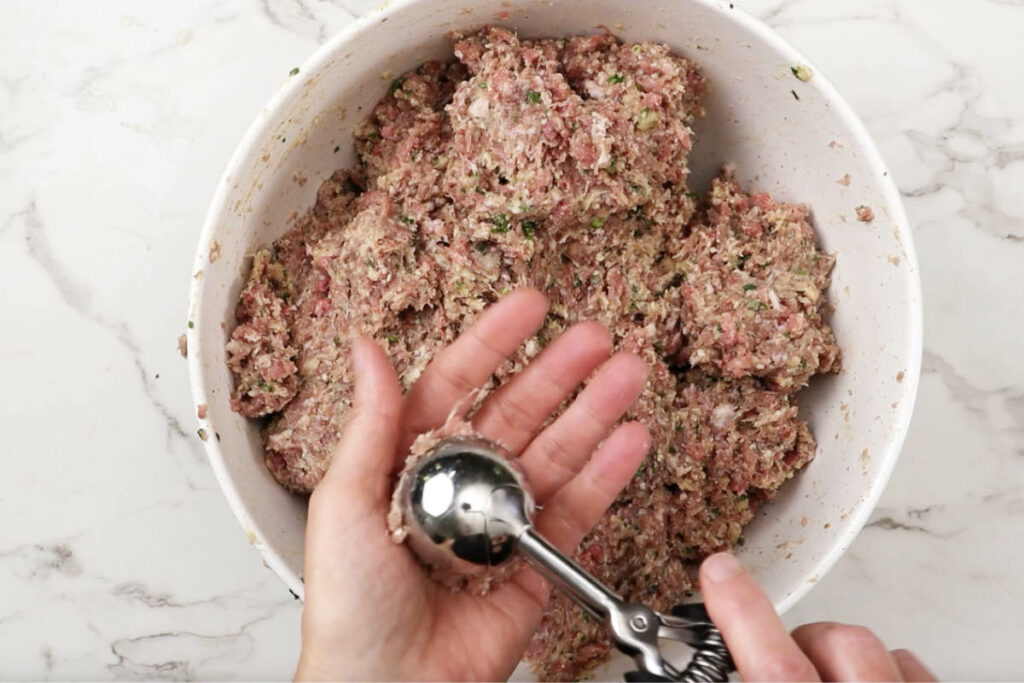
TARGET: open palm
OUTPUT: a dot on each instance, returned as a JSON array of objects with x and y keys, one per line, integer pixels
[{"x": 371, "y": 611}]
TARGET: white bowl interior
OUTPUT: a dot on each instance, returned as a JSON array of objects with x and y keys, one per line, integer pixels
[{"x": 797, "y": 149}]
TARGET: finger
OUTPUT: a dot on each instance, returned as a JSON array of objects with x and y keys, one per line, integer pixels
[
  {"x": 846, "y": 653},
  {"x": 363, "y": 458},
  {"x": 760, "y": 646},
  {"x": 514, "y": 413},
  {"x": 558, "y": 453},
  {"x": 577, "y": 507},
  {"x": 911, "y": 667},
  {"x": 467, "y": 363}
]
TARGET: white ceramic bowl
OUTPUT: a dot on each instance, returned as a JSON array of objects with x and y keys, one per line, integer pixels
[{"x": 797, "y": 149}]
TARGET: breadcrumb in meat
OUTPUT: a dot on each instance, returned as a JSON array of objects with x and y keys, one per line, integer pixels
[{"x": 559, "y": 164}]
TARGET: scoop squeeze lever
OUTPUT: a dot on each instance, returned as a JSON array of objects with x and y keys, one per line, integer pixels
[{"x": 468, "y": 508}]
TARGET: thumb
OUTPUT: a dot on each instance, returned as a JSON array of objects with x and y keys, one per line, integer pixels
[
  {"x": 361, "y": 462},
  {"x": 757, "y": 640}
]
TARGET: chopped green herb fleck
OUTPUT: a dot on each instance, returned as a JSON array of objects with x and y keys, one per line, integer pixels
[
  {"x": 613, "y": 167},
  {"x": 652, "y": 588},
  {"x": 529, "y": 228},
  {"x": 481, "y": 246},
  {"x": 616, "y": 78},
  {"x": 337, "y": 341},
  {"x": 293, "y": 71},
  {"x": 191, "y": 324},
  {"x": 263, "y": 385},
  {"x": 532, "y": 96},
  {"x": 482, "y": 85},
  {"x": 672, "y": 450},
  {"x": 337, "y": 148},
  {"x": 595, "y": 278},
  {"x": 576, "y": 282},
  {"x": 597, "y": 222},
  {"x": 407, "y": 220},
  {"x": 500, "y": 221},
  {"x": 394, "y": 338},
  {"x": 396, "y": 85},
  {"x": 693, "y": 195},
  {"x": 795, "y": 96},
  {"x": 742, "y": 259},
  {"x": 217, "y": 434},
  {"x": 800, "y": 271},
  {"x": 748, "y": 287},
  {"x": 803, "y": 363}
]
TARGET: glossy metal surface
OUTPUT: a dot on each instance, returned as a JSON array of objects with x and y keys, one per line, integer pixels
[
  {"x": 466, "y": 504},
  {"x": 468, "y": 507}
]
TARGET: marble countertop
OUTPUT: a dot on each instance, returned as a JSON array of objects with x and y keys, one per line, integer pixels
[{"x": 119, "y": 557}]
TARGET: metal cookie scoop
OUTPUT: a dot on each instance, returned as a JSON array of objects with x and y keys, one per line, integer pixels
[{"x": 469, "y": 508}]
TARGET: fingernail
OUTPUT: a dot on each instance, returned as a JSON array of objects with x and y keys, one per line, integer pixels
[{"x": 721, "y": 567}]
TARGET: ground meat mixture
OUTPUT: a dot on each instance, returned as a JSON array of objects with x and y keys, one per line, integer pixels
[
  {"x": 558, "y": 164},
  {"x": 752, "y": 290}
]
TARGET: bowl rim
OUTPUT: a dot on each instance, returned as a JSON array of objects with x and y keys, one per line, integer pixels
[{"x": 861, "y": 138}]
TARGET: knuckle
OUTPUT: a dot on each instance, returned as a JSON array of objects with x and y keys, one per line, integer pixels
[
  {"x": 514, "y": 413},
  {"x": 787, "y": 667},
  {"x": 559, "y": 455},
  {"x": 563, "y": 528},
  {"x": 458, "y": 380},
  {"x": 848, "y": 636},
  {"x": 597, "y": 416}
]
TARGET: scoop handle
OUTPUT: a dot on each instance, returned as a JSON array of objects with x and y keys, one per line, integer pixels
[
  {"x": 576, "y": 582},
  {"x": 633, "y": 627}
]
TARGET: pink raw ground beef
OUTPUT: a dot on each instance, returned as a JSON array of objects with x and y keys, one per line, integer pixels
[{"x": 558, "y": 164}]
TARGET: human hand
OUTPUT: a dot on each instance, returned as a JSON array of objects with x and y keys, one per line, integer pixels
[
  {"x": 764, "y": 651},
  {"x": 371, "y": 612}
]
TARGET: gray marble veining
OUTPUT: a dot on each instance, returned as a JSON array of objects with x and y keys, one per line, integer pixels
[{"x": 119, "y": 558}]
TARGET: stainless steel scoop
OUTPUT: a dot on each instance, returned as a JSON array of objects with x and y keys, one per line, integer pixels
[{"x": 469, "y": 508}]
